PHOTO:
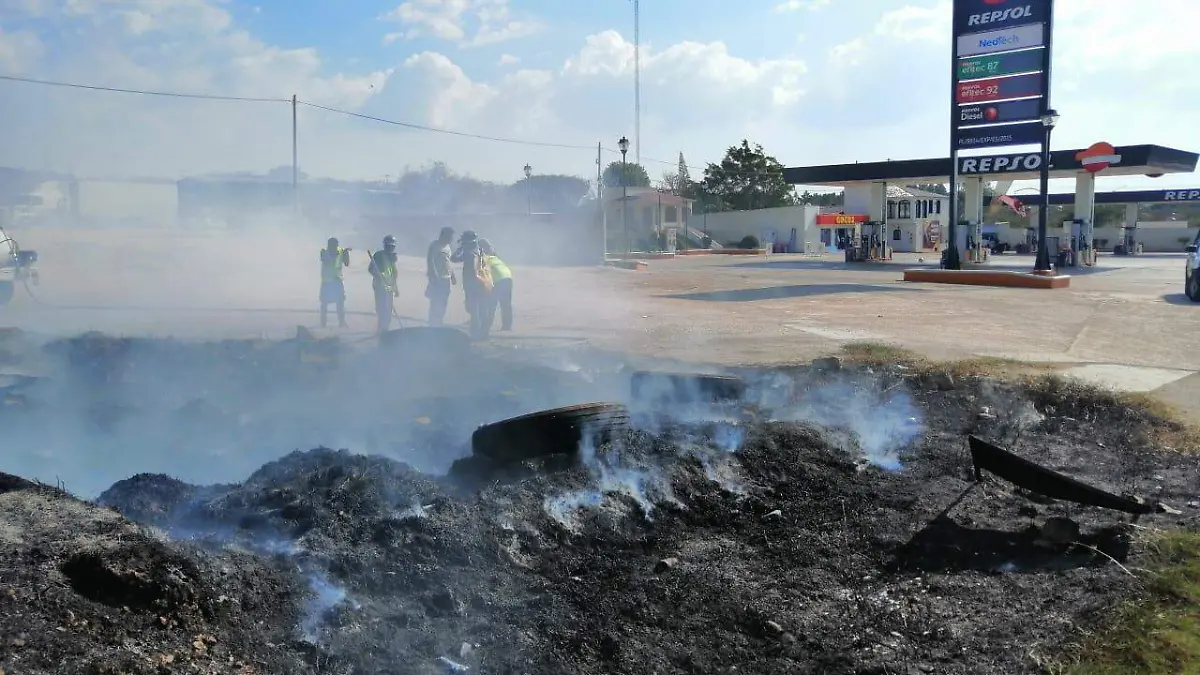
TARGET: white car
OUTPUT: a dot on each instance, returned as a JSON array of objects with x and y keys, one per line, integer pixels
[
  {"x": 16, "y": 265},
  {"x": 1191, "y": 277}
]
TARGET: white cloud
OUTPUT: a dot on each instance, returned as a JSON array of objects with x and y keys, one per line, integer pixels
[
  {"x": 19, "y": 50},
  {"x": 1114, "y": 72},
  {"x": 865, "y": 91},
  {"x": 454, "y": 20},
  {"x": 797, "y": 5}
]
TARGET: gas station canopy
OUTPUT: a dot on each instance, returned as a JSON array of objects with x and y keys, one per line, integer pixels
[
  {"x": 1115, "y": 197},
  {"x": 1133, "y": 160}
]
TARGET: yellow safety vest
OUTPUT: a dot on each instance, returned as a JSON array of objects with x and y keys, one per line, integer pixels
[
  {"x": 331, "y": 267},
  {"x": 386, "y": 269},
  {"x": 499, "y": 269}
]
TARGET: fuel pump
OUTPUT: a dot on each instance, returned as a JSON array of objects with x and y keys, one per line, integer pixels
[
  {"x": 874, "y": 241},
  {"x": 1083, "y": 250},
  {"x": 976, "y": 250}
]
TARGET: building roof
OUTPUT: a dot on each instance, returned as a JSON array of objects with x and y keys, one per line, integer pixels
[
  {"x": 1135, "y": 160},
  {"x": 906, "y": 192}
]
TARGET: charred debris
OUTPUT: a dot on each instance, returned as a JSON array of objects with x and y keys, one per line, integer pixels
[{"x": 569, "y": 512}]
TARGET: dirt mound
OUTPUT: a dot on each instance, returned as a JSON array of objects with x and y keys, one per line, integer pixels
[
  {"x": 82, "y": 590},
  {"x": 772, "y": 546}
]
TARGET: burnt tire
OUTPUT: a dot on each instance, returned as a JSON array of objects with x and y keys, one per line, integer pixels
[
  {"x": 549, "y": 432},
  {"x": 432, "y": 340},
  {"x": 687, "y": 388}
]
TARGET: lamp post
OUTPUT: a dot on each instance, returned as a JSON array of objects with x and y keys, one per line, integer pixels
[
  {"x": 623, "y": 145},
  {"x": 528, "y": 190},
  {"x": 1041, "y": 263}
]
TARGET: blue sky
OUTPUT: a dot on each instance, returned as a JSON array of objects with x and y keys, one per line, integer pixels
[{"x": 822, "y": 81}]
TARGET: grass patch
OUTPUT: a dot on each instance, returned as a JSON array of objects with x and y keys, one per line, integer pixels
[
  {"x": 1158, "y": 633},
  {"x": 879, "y": 354},
  {"x": 1161, "y": 423}
]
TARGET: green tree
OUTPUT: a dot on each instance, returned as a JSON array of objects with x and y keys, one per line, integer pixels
[
  {"x": 551, "y": 193},
  {"x": 821, "y": 198},
  {"x": 680, "y": 181},
  {"x": 748, "y": 178},
  {"x": 635, "y": 175}
]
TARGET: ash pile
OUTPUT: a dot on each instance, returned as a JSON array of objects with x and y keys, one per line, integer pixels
[{"x": 809, "y": 520}]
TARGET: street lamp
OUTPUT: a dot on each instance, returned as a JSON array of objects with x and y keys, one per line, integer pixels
[
  {"x": 623, "y": 145},
  {"x": 528, "y": 190},
  {"x": 1041, "y": 263}
]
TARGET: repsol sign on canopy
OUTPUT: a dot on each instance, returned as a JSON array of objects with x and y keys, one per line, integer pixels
[
  {"x": 1025, "y": 162},
  {"x": 973, "y": 16}
]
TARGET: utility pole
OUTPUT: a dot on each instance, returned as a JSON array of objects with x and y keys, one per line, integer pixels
[
  {"x": 637, "y": 84},
  {"x": 295, "y": 163},
  {"x": 600, "y": 201}
]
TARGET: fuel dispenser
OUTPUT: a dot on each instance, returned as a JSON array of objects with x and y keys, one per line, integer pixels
[
  {"x": 1129, "y": 244},
  {"x": 1082, "y": 249},
  {"x": 874, "y": 240},
  {"x": 975, "y": 249},
  {"x": 870, "y": 245}
]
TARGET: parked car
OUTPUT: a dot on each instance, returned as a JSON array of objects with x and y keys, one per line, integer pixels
[
  {"x": 16, "y": 265},
  {"x": 1191, "y": 276}
]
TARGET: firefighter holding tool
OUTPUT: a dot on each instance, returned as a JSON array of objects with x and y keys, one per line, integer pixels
[
  {"x": 333, "y": 290},
  {"x": 383, "y": 282}
]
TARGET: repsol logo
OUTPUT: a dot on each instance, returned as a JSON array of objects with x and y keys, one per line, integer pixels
[
  {"x": 1000, "y": 15},
  {"x": 1181, "y": 195},
  {"x": 1001, "y": 164}
]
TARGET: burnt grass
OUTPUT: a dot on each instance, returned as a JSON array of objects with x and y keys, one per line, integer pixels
[{"x": 813, "y": 562}]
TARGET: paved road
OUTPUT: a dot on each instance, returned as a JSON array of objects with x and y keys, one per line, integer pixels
[{"x": 1124, "y": 312}]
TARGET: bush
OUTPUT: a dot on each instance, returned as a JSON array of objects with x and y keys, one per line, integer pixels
[{"x": 748, "y": 242}]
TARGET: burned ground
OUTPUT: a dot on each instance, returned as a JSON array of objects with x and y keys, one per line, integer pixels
[{"x": 765, "y": 546}]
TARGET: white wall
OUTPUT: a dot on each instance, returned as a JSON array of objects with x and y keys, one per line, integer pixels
[
  {"x": 766, "y": 224},
  {"x": 1158, "y": 236},
  {"x": 122, "y": 202},
  {"x": 1161, "y": 236}
]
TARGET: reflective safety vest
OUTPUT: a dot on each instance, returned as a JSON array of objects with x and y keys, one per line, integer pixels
[
  {"x": 499, "y": 269},
  {"x": 386, "y": 269},
  {"x": 331, "y": 266}
]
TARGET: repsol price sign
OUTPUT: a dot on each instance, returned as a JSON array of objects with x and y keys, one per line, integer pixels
[
  {"x": 1026, "y": 133},
  {"x": 1021, "y": 163},
  {"x": 998, "y": 88},
  {"x": 972, "y": 16},
  {"x": 1000, "y": 113}
]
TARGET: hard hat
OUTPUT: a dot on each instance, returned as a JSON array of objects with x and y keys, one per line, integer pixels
[
  {"x": 469, "y": 235},
  {"x": 389, "y": 240}
]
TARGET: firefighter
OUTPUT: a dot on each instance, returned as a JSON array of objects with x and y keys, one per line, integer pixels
[
  {"x": 439, "y": 276},
  {"x": 333, "y": 290},
  {"x": 502, "y": 287},
  {"x": 475, "y": 292},
  {"x": 383, "y": 282}
]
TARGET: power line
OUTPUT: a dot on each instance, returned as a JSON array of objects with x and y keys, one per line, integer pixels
[
  {"x": 463, "y": 134},
  {"x": 143, "y": 92},
  {"x": 339, "y": 111}
]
